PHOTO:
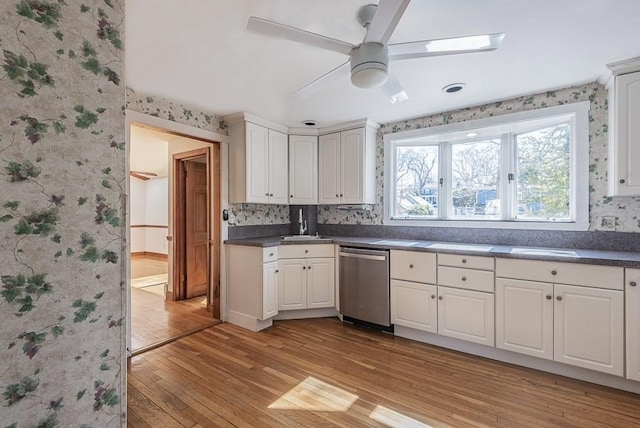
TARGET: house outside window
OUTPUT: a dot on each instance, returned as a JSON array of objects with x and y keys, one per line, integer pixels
[{"x": 526, "y": 170}]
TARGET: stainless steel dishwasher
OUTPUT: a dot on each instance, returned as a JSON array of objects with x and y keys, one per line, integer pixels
[{"x": 364, "y": 285}]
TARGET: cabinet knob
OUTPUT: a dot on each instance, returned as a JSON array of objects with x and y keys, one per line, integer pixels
[
  {"x": 266, "y": 194},
  {"x": 554, "y": 272},
  {"x": 270, "y": 254},
  {"x": 277, "y": 271},
  {"x": 304, "y": 267},
  {"x": 622, "y": 181},
  {"x": 548, "y": 296},
  {"x": 633, "y": 283},
  {"x": 270, "y": 194},
  {"x": 464, "y": 278},
  {"x": 309, "y": 267},
  {"x": 411, "y": 266},
  {"x": 306, "y": 251},
  {"x": 464, "y": 260},
  {"x": 291, "y": 196},
  {"x": 340, "y": 194},
  {"x": 337, "y": 196},
  {"x": 558, "y": 298},
  {"x": 433, "y": 296},
  {"x": 440, "y": 297}
]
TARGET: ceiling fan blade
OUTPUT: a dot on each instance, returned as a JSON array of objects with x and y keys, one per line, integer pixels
[
  {"x": 394, "y": 90},
  {"x": 455, "y": 45},
  {"x": 150, "y": 174},
  {"x": 311, "y": 88},
  {"x": 388, "y": 14},
  {"x": 274, "y": 29}
]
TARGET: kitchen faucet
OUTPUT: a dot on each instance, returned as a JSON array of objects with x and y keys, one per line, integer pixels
[{"x": 303, "y": 225}]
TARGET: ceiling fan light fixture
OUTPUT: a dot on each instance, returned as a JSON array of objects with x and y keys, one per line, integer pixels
[
  {"x": 369, "y": 65},
  {"x": 369, "y": 75}
]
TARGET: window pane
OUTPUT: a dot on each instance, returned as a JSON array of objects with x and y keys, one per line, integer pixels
[
  {"x": 543, "y": 173},
  {"x": 416, "y": 181},
  {"x": 475, "y": 179}
]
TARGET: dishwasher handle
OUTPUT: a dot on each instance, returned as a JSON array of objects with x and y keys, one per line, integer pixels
[{"x": 363, "y": 256}]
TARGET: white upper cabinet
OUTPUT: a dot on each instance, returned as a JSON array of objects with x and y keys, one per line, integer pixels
[
  {"x": 624, "y": 128},
  {"x": 258, "y": 161},
  {"x": 303, "y": 170},
  {"x": 347, "y": 166}
]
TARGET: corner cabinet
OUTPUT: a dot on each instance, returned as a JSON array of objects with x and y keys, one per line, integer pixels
[
  {"x": 303, "y": 169},
  {"x": 624, "y": 128},
  {"x": 347, "y": 165},
  {"x": 258, "y": 161}
]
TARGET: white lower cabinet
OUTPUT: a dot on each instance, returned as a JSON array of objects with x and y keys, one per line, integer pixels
[
  {"x": 414, "y": 305},
  {"x": 466, "y": 315},
  {"x": 589, "y": 328},
  {"x": 270, "y": 290},
  {"x": 524, "y": 317},
  {"x": 632, "y": 312},
  {"x": 306, "y": 283}
]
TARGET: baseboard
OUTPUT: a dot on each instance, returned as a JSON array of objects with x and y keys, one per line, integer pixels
[
  {"x": 150, "y": 255},
  {"x": 248, "y": 322},
  {"x": 519, "y": 359},
  {"x": 306, "y": 313}
]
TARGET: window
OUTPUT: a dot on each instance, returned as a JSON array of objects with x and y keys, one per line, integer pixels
[{"x": 521, "y": 170}]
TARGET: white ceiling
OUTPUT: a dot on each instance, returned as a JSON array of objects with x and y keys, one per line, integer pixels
[{"x": 200, "y": 53}]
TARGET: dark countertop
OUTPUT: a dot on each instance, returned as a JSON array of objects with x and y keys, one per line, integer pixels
[{"x": 570, "y": 255}]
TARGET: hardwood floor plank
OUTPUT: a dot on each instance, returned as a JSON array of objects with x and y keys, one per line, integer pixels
[{"x": 320, "y": 372}]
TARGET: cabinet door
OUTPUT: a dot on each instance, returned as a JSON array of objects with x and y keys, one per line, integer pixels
[
  {"x": 524, "y": 317},
  {"x": 320, "y": 283},
  {"x": 329, "y": 169},
  {"x": 466, "y": 315},
  {"x": 292, "y": 284},
  {"x": 632, "y": 311},
  {"x": 278, "y": 168},
  {"x": 626, "y": 108},
  {"x": 257, "y": 159},
  {"x": 589, "y": 328},
  {"x": 352, "y": 166},
  {"x": 414, "y": 305},
  {"x": 269, "y": 290},
  {"x": 303, "y": 170}
]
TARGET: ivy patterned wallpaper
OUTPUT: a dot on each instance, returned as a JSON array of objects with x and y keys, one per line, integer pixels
[
  {"x": 239, "y": 214},
  {"x": 62, "y": 177},
  {"x": 606, "y": 214}
]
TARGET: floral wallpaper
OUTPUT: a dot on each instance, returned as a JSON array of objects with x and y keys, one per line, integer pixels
[
  {"x": 62, "y": 157},
  {"x": 606, "y": 214},
  {"x": 239, "y": 214}
]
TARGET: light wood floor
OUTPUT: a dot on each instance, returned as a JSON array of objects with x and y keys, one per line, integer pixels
[
  {"x": 152, "y": 319},
  {"x": 293, "y": 372}
]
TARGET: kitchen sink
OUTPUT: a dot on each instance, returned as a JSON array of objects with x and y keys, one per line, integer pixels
[{"x": 303, "y": 238}]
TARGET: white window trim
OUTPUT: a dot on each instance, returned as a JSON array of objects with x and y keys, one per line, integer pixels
[{"x": 579, "y": 169}]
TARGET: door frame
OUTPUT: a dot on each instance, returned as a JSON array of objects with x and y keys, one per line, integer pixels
[
  {"x": 178, "y": 129},
  {"x": 178, "y": 285}
]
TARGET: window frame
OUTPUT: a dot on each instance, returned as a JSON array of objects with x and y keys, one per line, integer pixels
[{"x": 577, "y": 113}]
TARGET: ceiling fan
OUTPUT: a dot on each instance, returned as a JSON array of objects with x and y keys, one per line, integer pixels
[
  {"x": 369, "y": 61},
  {"x": 142, "y": 175}
]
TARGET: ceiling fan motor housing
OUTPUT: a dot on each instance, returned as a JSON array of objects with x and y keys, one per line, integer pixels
[{"x": 369, "y": 65}]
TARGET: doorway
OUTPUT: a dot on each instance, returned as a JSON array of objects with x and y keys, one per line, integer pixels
[{"x": 176, "y": 291}]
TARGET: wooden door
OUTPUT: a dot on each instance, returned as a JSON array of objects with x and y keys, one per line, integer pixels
[
  {"x": 466, "y": 315},
  {"x": 524, "y": 317},
  {"x": 278, "y": 166},
  {"x": 320, "y": 283},
  {"x": 589, "y": 328},
  {"x": 269, "y": 290},
  {"x": 303, "y": 170},
  {"x": 292, "y": 284},
  {"x": 352, "y": 166},
  {"x": 414, "y": 305},
  {"x": 329, "y": 169},
  {"x": 257, "y": 144},
  {"x": 197, "y": 230}
]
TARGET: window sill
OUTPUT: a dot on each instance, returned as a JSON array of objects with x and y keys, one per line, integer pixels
[{"x": 490, "y": 224}]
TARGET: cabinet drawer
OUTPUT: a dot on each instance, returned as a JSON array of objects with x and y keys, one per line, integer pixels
[
  {"x": 306, "y": 250},
  {"x": 470, "y": 262},
  {"x": 469, "y": 279},
  {"x": 413, "y": 266},
  {"x": 609, "y": 277},
  {"x": 269, "y": 254}
]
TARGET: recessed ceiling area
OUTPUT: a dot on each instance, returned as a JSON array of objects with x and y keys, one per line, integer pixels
[{"x": 200, "y": 53}]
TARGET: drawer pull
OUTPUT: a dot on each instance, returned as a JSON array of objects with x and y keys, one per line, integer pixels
[
  {"x": 306, "y": 251},
  {"x": 554, "y": 272},
  {"x": 411, "y": 266},
  {"x": 548, "y": 296},
  {"x": 440, "y": 297},
  {"x": 633, "y": 283},
  {"x": 464, "y": 260},
  {"x": 270, "y": 254},
  {"x": 433, "y": 296},
  {"x": 559, "y": 298},
  {"x": 464, "y": 278}
]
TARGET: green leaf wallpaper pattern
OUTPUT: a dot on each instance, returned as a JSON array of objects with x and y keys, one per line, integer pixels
[{"x": 61, "y": 141}]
